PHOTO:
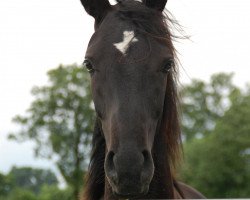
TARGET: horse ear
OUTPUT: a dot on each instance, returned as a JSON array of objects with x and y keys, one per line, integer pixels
[
  {"x": 155, "y": 4},
  {"x": 96, "y": 8}
]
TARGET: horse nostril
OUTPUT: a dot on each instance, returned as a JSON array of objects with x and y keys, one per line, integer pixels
[
  {"x": 110, "y": 160},
  {"x": 110, "y": 167},
  {"x": 146, "y": 156},
  {"x": 148, "y": 164}
]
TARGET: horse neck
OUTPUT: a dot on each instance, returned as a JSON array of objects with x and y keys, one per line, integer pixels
[{"x": 161, "y": 186}]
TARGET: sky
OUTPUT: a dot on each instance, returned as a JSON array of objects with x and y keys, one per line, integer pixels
[{"x": 36, "y": 36}]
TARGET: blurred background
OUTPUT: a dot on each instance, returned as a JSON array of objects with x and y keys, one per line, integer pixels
[{"x": 46, "y": 112}]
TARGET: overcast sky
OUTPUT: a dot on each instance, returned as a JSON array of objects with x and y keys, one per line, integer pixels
[{"x": 36, "y": 36}]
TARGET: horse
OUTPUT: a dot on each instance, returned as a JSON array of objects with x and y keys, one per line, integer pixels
[{"x": 136, "y": 141}]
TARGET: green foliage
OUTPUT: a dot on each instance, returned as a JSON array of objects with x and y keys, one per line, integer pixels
[
  {"x": 204, "y": 103},
  {"x": 54, "y": 193},
  {"x": 20, "y": 194},
  {"x": 31, "y": 179},
  {"x": 47, "y": 192},
  {"x": 218, "y": 164},
  {"x": 5, "y": 185},
  {"x": 60, "y": 120},
  {"x": 32, "y": 184}
]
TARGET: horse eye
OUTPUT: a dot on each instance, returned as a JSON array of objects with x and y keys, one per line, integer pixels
[
  {"x": 87, "y": 64},
  {"x": 168, "y": 66}
]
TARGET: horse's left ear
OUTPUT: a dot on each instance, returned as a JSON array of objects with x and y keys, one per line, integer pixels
[
  {"x": 155, "y": 4},
  {"x": 96, "y": 8}
]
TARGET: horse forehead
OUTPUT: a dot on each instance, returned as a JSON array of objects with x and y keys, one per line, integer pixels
[
  {"x": 128, "y": 39},
  {"x": 119, "y": 40},
  {"x": 125, "y": 42}
]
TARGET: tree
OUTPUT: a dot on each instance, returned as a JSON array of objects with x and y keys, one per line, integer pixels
[
  {"x": 31, "y": 179},
  {"x": 20, "y": 194},
  {"x": 60, "y": 120},
  {"x": 5, "y": 185},
  {"x": 54, "y": 193},
  {"x": 218, "y": 164},
  {"x": 204, "y": 103}
]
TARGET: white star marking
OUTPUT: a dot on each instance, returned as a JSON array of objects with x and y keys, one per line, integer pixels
[{"x": 128, "y": 38}]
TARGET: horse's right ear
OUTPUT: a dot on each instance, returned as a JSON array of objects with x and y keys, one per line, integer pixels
[{"x": 96, "y": 8}]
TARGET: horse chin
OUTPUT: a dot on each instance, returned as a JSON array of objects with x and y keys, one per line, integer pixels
[
  {"x": 128, "y": 192},
  {"x": 129, "y": 196}
]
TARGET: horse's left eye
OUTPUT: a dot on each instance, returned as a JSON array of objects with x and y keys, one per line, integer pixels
[
  {"x": 87, "y": 64},
  {"x": 169, "y": 64}
]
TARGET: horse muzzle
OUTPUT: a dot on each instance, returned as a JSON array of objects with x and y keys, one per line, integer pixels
[{"x": 129, "y": 172}]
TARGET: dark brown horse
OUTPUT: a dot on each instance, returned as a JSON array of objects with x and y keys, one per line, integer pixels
[{"x": 136, "y": 141}]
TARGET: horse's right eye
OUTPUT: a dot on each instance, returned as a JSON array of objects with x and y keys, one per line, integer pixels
[
  {"x": 87, "y": 64},
  {"x": 169, "y": 64}
]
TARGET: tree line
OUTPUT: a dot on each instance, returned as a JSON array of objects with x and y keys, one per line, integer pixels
[
  {"x": 26, "y": 183},
  {"x": 215, "y": 130}
]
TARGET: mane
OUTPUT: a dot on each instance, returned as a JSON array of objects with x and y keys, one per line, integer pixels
[
  {"x": 95, "y": 178},
  {"x": 167, "y": 149}
]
